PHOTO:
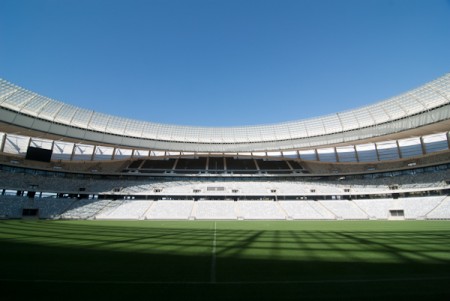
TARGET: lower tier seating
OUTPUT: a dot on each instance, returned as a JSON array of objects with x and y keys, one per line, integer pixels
[{"x": 430, "y": 207}]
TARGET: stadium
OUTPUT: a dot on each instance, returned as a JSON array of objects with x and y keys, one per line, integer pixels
[
  {"x": 389, "y": 160},
  {"x": 357, "y": 200}
]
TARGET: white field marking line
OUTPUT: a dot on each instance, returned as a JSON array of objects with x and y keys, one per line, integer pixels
[
  {"x": 213, "y": 256},
  {"x": 181, "y": 282}
]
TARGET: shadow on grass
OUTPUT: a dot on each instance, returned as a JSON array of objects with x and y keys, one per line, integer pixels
[{"x": 44, "y": 260}]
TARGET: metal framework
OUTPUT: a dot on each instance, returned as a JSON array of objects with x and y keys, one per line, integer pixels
[
  {"x": 359, "y": 153},
  {"x": 422, "y": 106}
]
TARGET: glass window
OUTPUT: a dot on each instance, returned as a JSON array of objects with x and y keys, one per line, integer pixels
[
  {"x": 366, "y": 152},
  {"x": 346, "y": 154},
  {"x": 387, "y": 150}
]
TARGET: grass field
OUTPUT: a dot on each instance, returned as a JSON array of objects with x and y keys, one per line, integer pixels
[{"x": 224, "y": 260}]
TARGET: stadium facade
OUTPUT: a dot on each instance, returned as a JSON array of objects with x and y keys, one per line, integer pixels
[{"x": 394, "y": 154}]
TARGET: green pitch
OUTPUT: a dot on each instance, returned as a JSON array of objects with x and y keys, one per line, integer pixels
[{"x": 224, "y": 260}]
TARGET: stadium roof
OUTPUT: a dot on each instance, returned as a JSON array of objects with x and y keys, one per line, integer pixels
[{"x": 426, "y": 105}]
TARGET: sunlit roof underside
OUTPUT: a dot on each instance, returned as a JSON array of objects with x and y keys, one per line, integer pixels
[{"x": 425, "y": 105}]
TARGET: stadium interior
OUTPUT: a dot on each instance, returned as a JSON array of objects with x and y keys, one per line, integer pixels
[{"x": 386, "y": 161}]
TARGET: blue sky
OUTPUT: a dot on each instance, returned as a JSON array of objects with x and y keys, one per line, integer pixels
[{"x": 223, "y": 62}]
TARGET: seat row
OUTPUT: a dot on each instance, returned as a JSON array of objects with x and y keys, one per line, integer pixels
[{"x": 432, "y": 207}]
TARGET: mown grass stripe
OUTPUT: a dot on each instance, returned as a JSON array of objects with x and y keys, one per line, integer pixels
[
  {"x": 213, "y": 255},
  {"x": 182, "y": 282}
]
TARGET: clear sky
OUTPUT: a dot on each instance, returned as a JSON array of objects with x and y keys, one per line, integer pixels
[{"x": 223, "y": 62}]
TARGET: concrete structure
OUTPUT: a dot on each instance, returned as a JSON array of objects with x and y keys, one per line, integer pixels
[{"x": 357, "y": 164}]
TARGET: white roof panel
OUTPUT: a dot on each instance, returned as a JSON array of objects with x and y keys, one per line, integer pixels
[{"x": 301, "y": 132}]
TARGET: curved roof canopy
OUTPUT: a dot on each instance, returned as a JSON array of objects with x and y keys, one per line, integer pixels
[{"x": 425, "y": 105}]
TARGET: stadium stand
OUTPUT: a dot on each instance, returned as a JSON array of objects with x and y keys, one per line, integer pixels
[
  {"x": 84, "y": 209},
  {"x": 361, "y": 164},
  {"x": 167, "y": 209},
  {"x": 128, "y": 209},
  {"x": 344, "y": 210},
  {"x": 216, "y": 210},
  {"x": 52, "y": 208},
  {"x": 259, "y": 210},
  {"x": 375, "y": 209},
  {"x": 441, "y": 211},
  {"x": 306, "y": 210},
  {"x": 12, "y": 206}
]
